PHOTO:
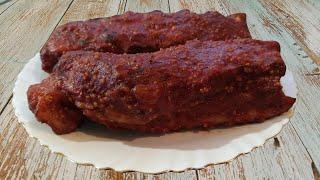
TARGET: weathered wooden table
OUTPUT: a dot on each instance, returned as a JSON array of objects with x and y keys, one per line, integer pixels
[{"x": 295, "y": 153}]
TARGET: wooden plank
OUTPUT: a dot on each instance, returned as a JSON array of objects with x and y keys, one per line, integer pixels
[
  {"x": 30, "y": 159},
  {"x": 282, "y": 157},
  {"x": 23, "y": 29},
  {"x": 261, "y": 30},
  {"x": 6, "y": 5},
  {"x": 83, "y": 9},
  {"x": 301, "y": 19},
  {"x": 147, "y": 5},
  {"x": 10, "y": 132},
  {"x": 23, "y": 157},
  {"x": 306, "y": 120},
  {"x": 56, "y": 166},
  {"x": 192, "y": 5}
]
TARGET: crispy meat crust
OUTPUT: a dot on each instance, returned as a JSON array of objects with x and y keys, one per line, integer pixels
[
  {"x": 51, "y": 106},
  {"x": 141, "y": 32},
  {"x": 199, "y": 84}
]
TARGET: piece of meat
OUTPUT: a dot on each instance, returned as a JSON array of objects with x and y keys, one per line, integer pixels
[
  {"x": 141, "y": 32},
  {"x": 51, "y": 106},
  {"x": 199, "y": 84}
]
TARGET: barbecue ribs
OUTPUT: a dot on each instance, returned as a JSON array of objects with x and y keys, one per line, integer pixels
[
  {"x": 199, "y": 84},
  {"x": 141, "y": 32}
]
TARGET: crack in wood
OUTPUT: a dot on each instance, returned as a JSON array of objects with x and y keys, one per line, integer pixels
[
  {"x": 5, "y": 105},
  {"x": 8, "y": 6},
  {"x": 316, "y": 173}
]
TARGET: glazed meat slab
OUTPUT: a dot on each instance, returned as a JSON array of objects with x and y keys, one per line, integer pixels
[
  {"x": 199, "y": 84},
  {"x": 141, "y": 32}
]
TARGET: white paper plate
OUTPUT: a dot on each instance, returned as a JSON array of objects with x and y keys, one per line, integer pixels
[{"x": 96, "y": 145}]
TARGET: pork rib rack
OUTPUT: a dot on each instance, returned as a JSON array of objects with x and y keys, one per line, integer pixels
[
  {"x": 199, "y": 84},
  {"x": 141, "y": 32}
]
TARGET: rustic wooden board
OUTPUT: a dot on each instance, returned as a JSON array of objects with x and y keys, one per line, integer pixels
[
  {"x": 83, "y": 9},
  {"x": 282, "y": 157},
  {"x": 33, "y": 160},
  {"x": 294, "y": 153},
  {"x": 301, "y": 19},
  {"x": 25, "y": 27},
  {"x": 260, "y": 27},
  {"x": 146, "y": 5},
  {"x": 306, "y": 120}
]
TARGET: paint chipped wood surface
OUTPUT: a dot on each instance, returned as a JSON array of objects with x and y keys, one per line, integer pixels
[{"x": 25, "y": 25}]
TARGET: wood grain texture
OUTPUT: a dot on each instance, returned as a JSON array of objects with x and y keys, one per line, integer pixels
[
  {"x": 24, "y": 28},
  {"x": 192, "y": 5},
  {"x": 22, "y": 157},
  {"x": 282, "y": 157},
  {"x": 301, "y": 19},
  {"x": 147, "y": 5},
  {"x": 6, "y": 5},
  {"x": 83, "y": 9},
  {"x": 306, "y": 120},
  {"x": 293, "y": 154},
  {"x": 33, "y": 160},
  {"x": 263, "y": 26}
]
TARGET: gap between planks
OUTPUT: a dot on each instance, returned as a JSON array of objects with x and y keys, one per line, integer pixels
[{"x": 6, "y": 6}]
